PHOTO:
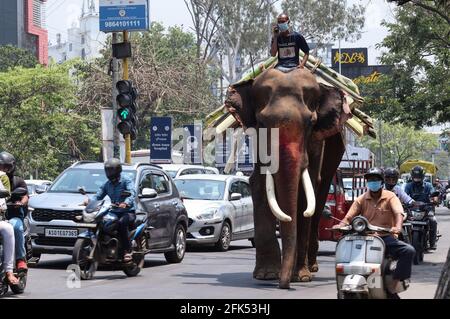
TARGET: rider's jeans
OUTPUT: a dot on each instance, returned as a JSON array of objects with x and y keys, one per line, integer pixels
[
  {"x": 433, "y": 230},
  {"x": 125, "y": 219},
  {"x": 17, "y": 223},
  {"x": 7, "y": 233},
  {"x": 402, "y": 252}
]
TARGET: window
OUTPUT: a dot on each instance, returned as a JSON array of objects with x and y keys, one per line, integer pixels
[
  {"x": 83, "y": 54},
  {"x": 83, "y": 40},
  {"x": 191, "y": 171},
  {"x": 70, "y": 47},
  {"x": 146, "y": 182},
  {"x": 160, "y": 184},
  {"x": 235, "y": 188},
  {"x": 200, "y": 189},
  {"x": 246, "y": 192}
]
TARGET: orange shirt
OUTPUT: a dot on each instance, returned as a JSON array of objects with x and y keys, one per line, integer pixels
[{"x": 381, "y": 212}]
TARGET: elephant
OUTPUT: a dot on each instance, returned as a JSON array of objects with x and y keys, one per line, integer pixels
[{"x": 310, "y": 118}]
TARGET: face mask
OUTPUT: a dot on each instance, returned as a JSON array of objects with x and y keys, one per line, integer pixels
[
  {"x": 374, "y": 186},
  {"x": 283, "y": 26}
]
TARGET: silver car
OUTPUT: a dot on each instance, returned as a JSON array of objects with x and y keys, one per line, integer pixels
[{"x": 219, "y": 207}]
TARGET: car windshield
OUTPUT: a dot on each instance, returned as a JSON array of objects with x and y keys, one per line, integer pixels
[
  {"x": 172, "y": 173},
  {"x": 201, "y": 189},
  {"x": 89, "y": 179}
]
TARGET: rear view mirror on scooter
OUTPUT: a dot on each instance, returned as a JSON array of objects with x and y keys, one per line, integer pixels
[{"x": 82, "y": 190}]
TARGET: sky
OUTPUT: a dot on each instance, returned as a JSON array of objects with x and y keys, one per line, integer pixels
[{"x": 62, "y": 13}]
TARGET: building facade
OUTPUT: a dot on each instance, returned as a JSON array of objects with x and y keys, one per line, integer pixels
[
  {"x": 83, "y": 40},
  {"x": 22, "y": 24}
]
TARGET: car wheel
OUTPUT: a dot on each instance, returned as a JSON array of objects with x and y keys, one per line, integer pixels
[
  {"x": 176, "y": 256},
  {"x": 223, "y": 244}
]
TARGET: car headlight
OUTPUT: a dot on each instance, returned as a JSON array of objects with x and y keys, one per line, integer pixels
[
  {"x": 418, "y": 215},
  {"x": 209, "y": 214}
]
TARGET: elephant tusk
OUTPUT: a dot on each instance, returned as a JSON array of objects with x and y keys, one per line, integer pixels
[
  {"x": 310, "y": 196},
  {"x": 271, "y": 198}
]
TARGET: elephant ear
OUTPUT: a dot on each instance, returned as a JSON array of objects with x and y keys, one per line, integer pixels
[
  {"x": 332, "y": 113},
  {"x": 239, "y": 102}
]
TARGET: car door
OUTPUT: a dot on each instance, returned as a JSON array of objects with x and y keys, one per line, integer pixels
[
  {"x": 237, "y": 210},
  {"x": 167, "y": 206},
  {"x": 247, "y": 207}
]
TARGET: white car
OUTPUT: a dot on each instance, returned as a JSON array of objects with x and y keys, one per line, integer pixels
[
  {"x": 219, "y": 207},
  {"x": 177, "y": 170}
]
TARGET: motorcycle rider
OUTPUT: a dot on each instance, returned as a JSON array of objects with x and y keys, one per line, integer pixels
[
  {"x": 287, "y": 44},
  {"x": 114, "y": 187},
  {"x": 391, "y": 176},
  {"x": 7, "y": 235},
  {"x": 420, "y": 191},
  {"x": 16, "y": 213},
  {"x": 382, "y": 208}
]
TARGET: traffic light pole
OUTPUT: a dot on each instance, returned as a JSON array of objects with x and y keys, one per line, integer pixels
[
  {"x": 115, "y": 76},
  {"x": 126, "y": 77}
]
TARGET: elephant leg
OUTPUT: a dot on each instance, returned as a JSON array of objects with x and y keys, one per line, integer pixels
[
  {"x": 268, "y": 254},
  {"x": 301, "y": 272},
  {"x": 333, "y": 151}
]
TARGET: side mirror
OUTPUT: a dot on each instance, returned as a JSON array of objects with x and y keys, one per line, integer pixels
[
  {"x": 4, "y": 193},
  {"x": 327, "y": 212},
  {"x": 148, "y": 193},
  {"x": 81, "y": 190},
  {"x": 40, "y": 189},
  {"x": 235, "y": 196}
]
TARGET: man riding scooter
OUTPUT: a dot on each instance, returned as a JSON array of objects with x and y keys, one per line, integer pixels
[
  {"x": 114, "y": 188},
  {"x": 383, "y": 209},
  {"x": 420, "y": 191}
]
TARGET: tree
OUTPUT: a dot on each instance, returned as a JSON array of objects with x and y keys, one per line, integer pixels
[
  {"x": 417, "y": 92},
  {"x": 167, "y": 74},
  {"x": 242, "y": 29},
  {"x": 326, "y": 21},
  {"x": 42, "y": 125},
  {"x": 397, "y": 143},
  {"x": 11, "y": 56}
]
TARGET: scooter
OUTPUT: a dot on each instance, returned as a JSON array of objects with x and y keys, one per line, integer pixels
[
  {"x": 20, "y": 274},
  {"x": 101, "y": 243},
  {"x": 363, "y": 271}
]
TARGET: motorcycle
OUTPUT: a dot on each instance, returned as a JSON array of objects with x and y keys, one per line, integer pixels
[
  {"x": 101, "y": 243},
  {"x": 363, "y": 271},
  {"x": 418, "y": 217},
  {"x": 20, "y": 274}
]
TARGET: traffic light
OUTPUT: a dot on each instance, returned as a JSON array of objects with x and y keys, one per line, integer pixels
[{"x": 126, "y": 101}]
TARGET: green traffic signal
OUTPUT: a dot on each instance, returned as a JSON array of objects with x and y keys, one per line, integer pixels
[{"x": 124, "y": 114}]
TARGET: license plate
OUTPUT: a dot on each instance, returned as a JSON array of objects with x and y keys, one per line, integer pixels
[
  {"x": 367, "y": 238},
  {"x": 61, "y": 233}
]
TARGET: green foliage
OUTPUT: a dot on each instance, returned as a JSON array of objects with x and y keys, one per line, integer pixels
[
  {"x": 41, "y": 123},
  {"x": 397, "y": 143},
  {"x": 170, "y": 79},
  {"x": 418, "y": 90},
  {"x": 11, "y": 57}
]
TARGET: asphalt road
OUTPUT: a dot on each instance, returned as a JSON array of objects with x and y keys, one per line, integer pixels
[{"x": 206, "y": 274}]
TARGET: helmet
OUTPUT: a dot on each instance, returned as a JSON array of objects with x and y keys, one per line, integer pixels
[
  {"x": 374, "y": 172},
  {"x": 113, "y": 169},
  {"x": 8, "y": 162},
  {"x": 417, "y": 173},
  {"x": 391, "y": 172}
]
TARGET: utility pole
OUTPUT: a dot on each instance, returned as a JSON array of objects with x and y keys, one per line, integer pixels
[
  {"x": 126, "y": 77},
  {"x": 115, "y": 76}
]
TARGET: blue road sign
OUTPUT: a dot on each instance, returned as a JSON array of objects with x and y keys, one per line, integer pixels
[
  {"x": 124, "y": 15},
  {"x": 161, "y": 140},
  {"x": 192, "y": 146},
  {"x": 245, "y": 154}
]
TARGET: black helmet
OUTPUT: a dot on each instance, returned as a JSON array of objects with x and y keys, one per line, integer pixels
[
  {"x": 375, "y": 172},
  {"x": 418, "y": 172},
  {"x": 8, "y": 161},
  {"x": 391, "y": 172},
  {"x": 113, "y": 169}
]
